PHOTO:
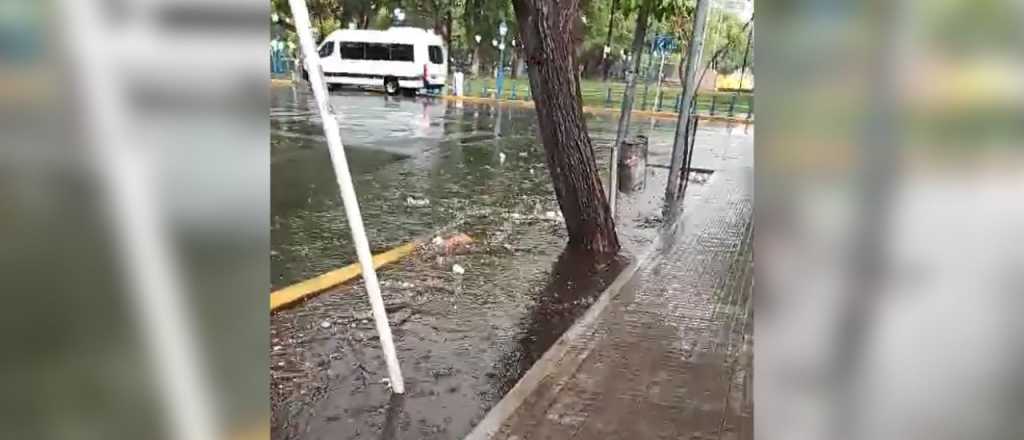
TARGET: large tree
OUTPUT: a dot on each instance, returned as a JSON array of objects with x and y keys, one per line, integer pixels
[{"x": 546, "y": 29}]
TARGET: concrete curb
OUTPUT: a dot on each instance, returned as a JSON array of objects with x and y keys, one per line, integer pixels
[{"x": 558, "y": 356}]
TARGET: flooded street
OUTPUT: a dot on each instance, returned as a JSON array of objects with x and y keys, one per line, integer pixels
[{"x": 424, "y": 167}]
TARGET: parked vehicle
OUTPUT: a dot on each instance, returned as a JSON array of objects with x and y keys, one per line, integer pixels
[{"x": 400, "y": 59}]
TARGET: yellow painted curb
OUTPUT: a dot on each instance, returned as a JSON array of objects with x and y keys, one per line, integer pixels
[
  {"x": 258, "y": 431},
  {"x": 298, "y": 291},
  {"x": 276, "y": 82}
]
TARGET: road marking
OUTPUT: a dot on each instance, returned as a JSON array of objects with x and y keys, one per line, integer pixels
[{"x": 295, "y": 292}]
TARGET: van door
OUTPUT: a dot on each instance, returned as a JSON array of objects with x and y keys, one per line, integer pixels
[
  {"x": 329, "y": 61},
  {"x": 436, "y": 66},
  {"x": 353, "y": 63}
]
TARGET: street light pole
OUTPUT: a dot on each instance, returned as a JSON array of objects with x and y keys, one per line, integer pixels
[
  {"x": 500, "y": 81},
  {"x": 679, "y": 146},
  {"x": 476, "y": 57}
]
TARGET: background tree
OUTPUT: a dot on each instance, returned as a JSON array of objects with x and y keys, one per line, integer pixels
[
  {"x": 727, "y": 38},
  {"x": 546, "y": 31},
  {"x": 481, "y": 17}
]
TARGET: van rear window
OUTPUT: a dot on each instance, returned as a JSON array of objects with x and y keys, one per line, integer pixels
[{"x": 436, "y": 54}]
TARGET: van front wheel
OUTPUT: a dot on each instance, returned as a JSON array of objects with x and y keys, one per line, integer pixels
[{"x": 391, "y": 86}]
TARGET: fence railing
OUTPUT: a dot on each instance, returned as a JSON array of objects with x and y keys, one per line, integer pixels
[
  {"x": 730, "y": 104},
  {"x": 281, "y": 64}
]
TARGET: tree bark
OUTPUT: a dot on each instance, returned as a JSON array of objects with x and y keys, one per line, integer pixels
[
  {"x": 448, "y": 32},
  {"x": 476, "y": 62},
  {"x": 513, "y": 60},
  {"x": 545, "y": 28},
  {"x": 519, "y": 62}
]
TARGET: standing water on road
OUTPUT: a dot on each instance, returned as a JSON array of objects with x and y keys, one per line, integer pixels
[{"x": 424, "y": 167}]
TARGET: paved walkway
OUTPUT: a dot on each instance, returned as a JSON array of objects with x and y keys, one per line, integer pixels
[{"x": 670, "y": 356}]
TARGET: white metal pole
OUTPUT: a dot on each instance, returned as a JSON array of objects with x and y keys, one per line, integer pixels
[
  {"x": 348, "y": 193},
  {"x": 661, "y": 76},
  {"x": 144, "y": 247}
]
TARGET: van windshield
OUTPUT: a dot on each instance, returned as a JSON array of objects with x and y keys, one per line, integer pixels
[
  {"x": 436, "y": 55},
  {"x": 327, "y": 49}
]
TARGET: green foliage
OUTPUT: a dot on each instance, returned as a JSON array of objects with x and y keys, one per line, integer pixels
[
  {"x": 727, "y": 38},
  {"x": 481, "y": 17}
]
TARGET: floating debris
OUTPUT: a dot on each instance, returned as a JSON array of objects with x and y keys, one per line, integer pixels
[
  {"x": 649, "y": 222},
  {"x": 418, "y": 203},
  {"x": 458, "y": 269},
  {"x": 325, "y": 324},
  {"x": 457, "y": 242},
  {"x": 501, "y": 158}
]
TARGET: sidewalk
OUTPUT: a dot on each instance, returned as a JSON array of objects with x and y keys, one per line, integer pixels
[{"x": 670, "y": 356}]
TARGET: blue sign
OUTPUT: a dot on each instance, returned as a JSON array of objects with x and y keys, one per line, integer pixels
[{"x": 663, "y": 43}]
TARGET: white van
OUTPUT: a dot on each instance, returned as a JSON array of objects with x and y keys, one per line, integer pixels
[{"x": 401, "y": 59}]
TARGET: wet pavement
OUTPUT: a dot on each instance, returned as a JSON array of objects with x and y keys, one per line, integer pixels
[
  {"x": 422, "y": 168},
  {"x": 671, "y": 355}
]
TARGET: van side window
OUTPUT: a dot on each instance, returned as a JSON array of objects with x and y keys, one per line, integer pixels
[
  {"x": 436, "y": 55},
  {"x": 352, "y": 51},
  {"x": 376, "y": 51},
  {"x": 401, "y": 52},
  {"x": 327, "y": 49}
]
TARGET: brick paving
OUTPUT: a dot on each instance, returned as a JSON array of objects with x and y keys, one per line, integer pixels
[{"x": 671, "y": 355}]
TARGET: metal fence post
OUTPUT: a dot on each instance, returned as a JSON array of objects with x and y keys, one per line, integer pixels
[
  {"x": 732, "y": 105},
  {"x": 608, "y": 97},
  {"x": 750, "y": 107},
  {"x": 714, "y": 101}
]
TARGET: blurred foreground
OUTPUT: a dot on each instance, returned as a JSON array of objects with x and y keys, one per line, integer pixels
[
  {"x": 888, "y": 267},
  {"x": 888, "y": 213}
]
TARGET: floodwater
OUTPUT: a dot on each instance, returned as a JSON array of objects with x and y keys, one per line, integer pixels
[{"x": 424, "y": 167}]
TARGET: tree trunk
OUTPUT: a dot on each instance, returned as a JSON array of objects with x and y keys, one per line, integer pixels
[
  {"x": 476, "y": 62},
  {"x": 607, "y": 64},
  {"x": 513, "y": 59},
  {"x": 449, "y": 27},
  {"x": 545, "y": 28}
]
